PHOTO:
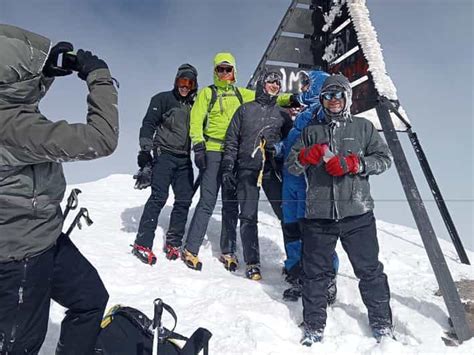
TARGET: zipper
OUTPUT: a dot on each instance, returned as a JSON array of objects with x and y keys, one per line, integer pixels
[
  {"x": 34, "y": 199},
  {"x": 332, "y": 146},
  {"x": 20, "y": 302}
]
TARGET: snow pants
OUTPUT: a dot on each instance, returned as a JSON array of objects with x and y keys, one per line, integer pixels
[
  {"x": 248, "y": 194},
  {"x": 211, "y": 181},
  {"x": 177, "y": 172},
  {"x": 359, "y": 239},
  {"x": 63, "y": 274}
]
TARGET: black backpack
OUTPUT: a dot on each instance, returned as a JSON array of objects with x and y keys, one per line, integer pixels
[{"x": 127, "y": 331}]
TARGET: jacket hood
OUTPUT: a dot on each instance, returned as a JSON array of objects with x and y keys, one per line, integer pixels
[
  {"x": 186, "y": 71},
  {"x": 228, "y": 58},
  {"x": 340, "y": 83},
  {"x": 22, "y": 57},
  {"x": 311, "y": 96},
  {"x": 260, "y": 95}
]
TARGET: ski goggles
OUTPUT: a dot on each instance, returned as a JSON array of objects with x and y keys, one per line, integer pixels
[
  {"x": 332, "y": 95},
  {"x": 224, "y": 69},
  {"x": 186, "y": 83},
  {"x": 273, "y": 78}
]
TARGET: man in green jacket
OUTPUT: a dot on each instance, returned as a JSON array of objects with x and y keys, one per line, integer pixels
[
  {"x": 210, "y": 116},
  {"x": 37, "y": 262}
]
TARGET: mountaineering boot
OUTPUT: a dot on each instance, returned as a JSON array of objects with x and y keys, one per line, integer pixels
[
  {"x": 172, "y": 252},
  {"x": 381, "y": 333},
  {"x": 230, "y": 261},
  {"x": 144, "y": 254},
  {"x": 253, "y": 272},
  {"x": 311, "y": 336},
  {"x": 332, "y": 291},
  {"x": 291, "y": 278},
  {"x": 293, "y": 293},
  {"x": 191, "y": 260}
]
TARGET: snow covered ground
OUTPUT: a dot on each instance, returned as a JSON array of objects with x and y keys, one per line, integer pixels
[{"x": 249, "y": 317}]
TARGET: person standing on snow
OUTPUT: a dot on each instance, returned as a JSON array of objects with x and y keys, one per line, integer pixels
[
  {"x": 337, "y": 159},
  {"x": 165, "y": 131},
  {"x": 250, "y": 145},
  {"x": 38, "y": 262},
  {"x": 210, "y": 116},
  {"x": 294, "y": 187}
]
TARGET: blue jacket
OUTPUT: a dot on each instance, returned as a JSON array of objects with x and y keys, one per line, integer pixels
[{"x": 294, "y": 187}]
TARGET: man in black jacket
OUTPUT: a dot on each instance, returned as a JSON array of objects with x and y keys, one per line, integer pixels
[
  {"x": 37, "y": 262},
  {"x": 337, "y": 159},
  {"x": 250, "y": 151},
  {"x": 165, "y": 130}
]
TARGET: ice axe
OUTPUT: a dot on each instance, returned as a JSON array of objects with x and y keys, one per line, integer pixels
[
  {"x": 83, "y": 213},
  {"x": 72, "y": 202}
]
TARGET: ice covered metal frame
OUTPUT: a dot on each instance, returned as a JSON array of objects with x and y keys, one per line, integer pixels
[{"x": 337, "y": 36}]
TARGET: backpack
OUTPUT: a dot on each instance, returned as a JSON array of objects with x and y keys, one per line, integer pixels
[{"x": 127, "y": 331}]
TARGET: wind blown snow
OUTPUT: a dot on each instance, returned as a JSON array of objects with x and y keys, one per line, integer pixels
[{"x": 249, "y": 317}]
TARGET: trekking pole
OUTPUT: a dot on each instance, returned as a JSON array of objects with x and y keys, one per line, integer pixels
[
  {"x": 83, "y": 212},
  {"x": 197, "y": 182},
  {"x": 158, "y": 312},
  {"x": 72, "y": 202}
]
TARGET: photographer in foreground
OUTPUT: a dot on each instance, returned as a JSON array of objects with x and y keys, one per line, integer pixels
[{"x": 37, "y": 261}]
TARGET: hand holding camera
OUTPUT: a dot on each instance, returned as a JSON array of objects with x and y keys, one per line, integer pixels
[
  {"x": 51, "y": 66},
  {"x": 84, "y": 62}
]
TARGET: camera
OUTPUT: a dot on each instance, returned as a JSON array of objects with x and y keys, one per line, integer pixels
[{"x": 69, "y": 61}]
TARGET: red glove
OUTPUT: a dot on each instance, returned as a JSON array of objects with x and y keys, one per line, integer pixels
[
  {"x": 312, "y": 155},
  {"x": 339, "y": 165}
]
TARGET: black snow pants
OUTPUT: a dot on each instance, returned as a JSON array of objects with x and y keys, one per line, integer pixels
[
  {"x": 63, "y": 274},
  {"x": 211, "y": 181},
  {"x": 359, "y": 239},
  {"x": 248, "y": 194},
  {"x": 177, "y": 172}
]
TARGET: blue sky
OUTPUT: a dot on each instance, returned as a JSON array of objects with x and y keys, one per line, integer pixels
[{"x": 427, "y": 47}]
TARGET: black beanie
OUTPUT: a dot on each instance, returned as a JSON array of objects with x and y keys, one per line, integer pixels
[{"x": 187, "y": 71}]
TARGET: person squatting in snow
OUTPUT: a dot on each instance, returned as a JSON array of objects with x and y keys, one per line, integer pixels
[
  {"x": 165, "y": 131},
  {"x": 294, "y": 187},
  {"x": 38, "y": 262},
  {"x": 251, "y": 161},
  {"x": 210, "y": 117},
  {"x": 337, "y": 158}
]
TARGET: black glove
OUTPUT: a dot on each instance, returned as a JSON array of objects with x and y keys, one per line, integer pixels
[
  {"x": 294, "y": 102},
  {"x": 200, "y": 155},
  {"x": 229, "y": 181},
  {"x": 143, "y": 178},
  {"x": 144, "y": 158},
  {"x": 51, "y": 67},
  {"x": 87, "y": 63}
]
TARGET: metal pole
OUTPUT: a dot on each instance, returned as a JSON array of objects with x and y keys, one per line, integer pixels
[{"x": 435, "y": 255}]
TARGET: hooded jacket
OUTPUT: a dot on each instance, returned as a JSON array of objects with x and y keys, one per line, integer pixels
[
  {"x": 32, "y": 148},
  {"x": 211, "y": 128},
  {"x": 296, "y": 185},
  {"x": 332, "y": 197},
  {"x": 165, "y": 126},
  {"x": 252, "y": 122}
]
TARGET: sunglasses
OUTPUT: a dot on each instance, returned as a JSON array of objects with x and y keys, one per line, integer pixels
[
  {"x": 221, "y": 70},
  {"x": 330, "y": 95},
  {"x": 276, "y": 81},
  {"x": 185, "y": 82}
]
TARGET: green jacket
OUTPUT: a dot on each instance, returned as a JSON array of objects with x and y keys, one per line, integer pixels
[
  {"x": 212, "y": 128},
  {"x": 32, "y": 148}
]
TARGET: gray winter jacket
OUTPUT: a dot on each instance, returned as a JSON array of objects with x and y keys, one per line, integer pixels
[
  {"x": 32, "y": 148},
  {"x": 331, "y": 197}
]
